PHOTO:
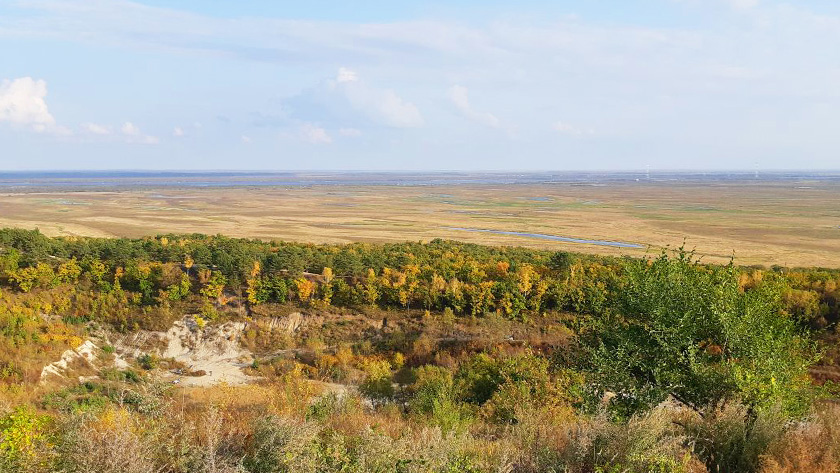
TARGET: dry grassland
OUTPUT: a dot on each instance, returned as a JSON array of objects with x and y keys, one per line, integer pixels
[{"x": 765, "y": 223}]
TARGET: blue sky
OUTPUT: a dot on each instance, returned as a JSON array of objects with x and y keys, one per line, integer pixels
[{"x": 435, "y": 85}]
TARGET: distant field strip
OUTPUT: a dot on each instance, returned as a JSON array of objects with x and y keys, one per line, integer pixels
[
  {"x": 618, "y": 244},
  {"x": 789, "y": 223}
]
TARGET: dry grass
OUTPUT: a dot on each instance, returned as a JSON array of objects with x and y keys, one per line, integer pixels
[
  {"x": 767, "y": 223},
  {"x": 245, "y": 428},
  {"x": 811, "y": 447}
]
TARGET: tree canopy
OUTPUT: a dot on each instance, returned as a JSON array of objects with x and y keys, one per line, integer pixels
[{"x": 691, "y": 332}]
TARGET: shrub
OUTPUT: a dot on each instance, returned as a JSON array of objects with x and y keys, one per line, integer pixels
[
  {"x": 646, "y": 443},
  {"x": 811, "y": 446},
  {"x": 25, "y": 443},
  {"x": 733, "y": 439},
  {"x": 323, "y": 407},
  {"x": 113, "y": 374},
  {"x": 114, "y": 442},
  {"x": 688, "y": 331},
  {"x": 509, "y": 383},
  {"x": 148, "y": 361},
  {"x": 377, "y": 385},
  {"x": 281, "y": 445},
  {"x": 82, "y": 397},
  {"x": 432, "y": 395}
]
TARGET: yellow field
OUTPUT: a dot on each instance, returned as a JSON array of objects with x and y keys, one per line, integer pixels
[{"x": 760, "y": 223}]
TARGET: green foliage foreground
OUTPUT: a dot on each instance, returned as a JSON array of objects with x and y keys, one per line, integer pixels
[
  {"x": 670, "y": 365},
  {"x": 689, "y": 331}
]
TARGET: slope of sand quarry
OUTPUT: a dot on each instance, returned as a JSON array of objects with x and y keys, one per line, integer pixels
[
  {"x": 84, "y": 353},
  {"x": 87, "y": 355},
  {"x": 215, "y": 350},
  {"x": 211, "y": 354},
  {"x": 207, "y": 355}
]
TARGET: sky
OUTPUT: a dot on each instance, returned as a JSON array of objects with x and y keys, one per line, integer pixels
[{"x": 532, "y": 85}]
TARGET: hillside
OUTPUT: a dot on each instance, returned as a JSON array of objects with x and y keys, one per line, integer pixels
[{"x": 185, "y": 353}]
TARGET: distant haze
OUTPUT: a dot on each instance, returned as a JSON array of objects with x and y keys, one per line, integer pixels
[{"x": 472, "y": 85}]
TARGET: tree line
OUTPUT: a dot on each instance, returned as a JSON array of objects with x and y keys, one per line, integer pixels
[{"x": 467, "y": 279}]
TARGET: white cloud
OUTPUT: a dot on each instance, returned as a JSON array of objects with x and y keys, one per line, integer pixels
[
  {"x": 346, "y": 75},
  {"x": 387, "y": 106},
  {"x": 178, "y": 132},
  {"x": 95, "y": 129},
  {"x": 349, "y": 132},
  {"x": 22, "y": 104},
  {"x": 677, "y": 85},
  {"x": 459, "y": 95},
  {"x": 130, "y": 129},
  {"x": 349, "y": 99},
  {"x": 567, "y": 129},
  {"x": 246, "y": 139},
  {"x": 382, "y": 105},
  {"x": 743, "y": 4},
  {"x": 134, "y": 135},
  {"x": 314, "y": 134}
]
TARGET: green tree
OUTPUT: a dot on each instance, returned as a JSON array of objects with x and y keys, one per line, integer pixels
[
  {"x": 688, "y": 331},
  {"x": 176, "y": 292},
  {"x": 40, "y": 275},
  {"x": 377, "y": 384}
]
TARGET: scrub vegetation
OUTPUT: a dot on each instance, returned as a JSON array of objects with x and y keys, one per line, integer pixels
[{"x": 413, "y": 357}]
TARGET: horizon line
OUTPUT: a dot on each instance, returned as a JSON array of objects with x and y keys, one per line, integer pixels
[{"x": 434, "y": 171}]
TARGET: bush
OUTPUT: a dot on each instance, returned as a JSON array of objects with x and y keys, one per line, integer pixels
[
  {"x": 733, "y": 439},
  {"x": 281, "y": 445},
  {"x": 812, "y": 446},
  {"x": 324, "y": 407},
  {"x": 113, "y": 442},
  {"x": 377, "y": 385},
  {"x": 688, "y": 331},
  {"x": 432, "y": 396},
  {"x": 647, "y": 443},
  {"x": 506, "y": 385},
  {"x": 25, "y": 443},
  {"x": 148, "y": 361},
  {"x": 82, "y": 397}
]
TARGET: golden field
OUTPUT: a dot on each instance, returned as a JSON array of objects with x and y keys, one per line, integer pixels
[{"x": 761, "y": 222}]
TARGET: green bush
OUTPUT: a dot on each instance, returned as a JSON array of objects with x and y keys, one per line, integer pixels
[
  {"x": 148, "y": 361},
  {"x": 80, "y": 398},
  {"x": 433, "y": 397},
  {"x": 378, "y": 384},
  {"x": 688, "y": 331},
  {"x": 25, "y": 439},
  {"x": 647, "y": 443},
  {"x": 280, "y": 445}
]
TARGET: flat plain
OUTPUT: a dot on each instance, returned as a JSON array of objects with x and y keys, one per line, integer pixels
[{"x": 764, "y": 222}]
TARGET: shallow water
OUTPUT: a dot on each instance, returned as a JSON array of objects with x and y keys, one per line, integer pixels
[
  {"x": 618, "y": 244},
  {"x": 94, "y": 180}
]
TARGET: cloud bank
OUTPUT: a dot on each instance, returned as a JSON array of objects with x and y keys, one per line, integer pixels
[{"x": 720, "y": 83}]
